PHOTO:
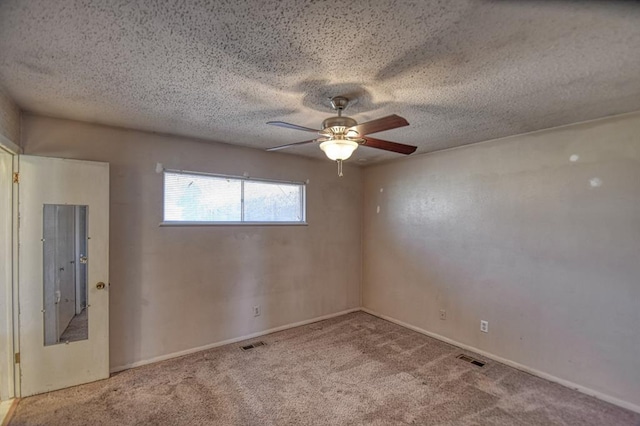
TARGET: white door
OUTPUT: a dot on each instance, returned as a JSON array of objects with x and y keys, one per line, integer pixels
[{"x": 63, "y": 273}]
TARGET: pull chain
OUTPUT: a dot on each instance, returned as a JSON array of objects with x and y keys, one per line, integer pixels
[{"x": 339, "y": 109}]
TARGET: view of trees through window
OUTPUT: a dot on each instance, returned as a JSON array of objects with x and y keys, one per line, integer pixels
[{"x": 202, "y": 198}]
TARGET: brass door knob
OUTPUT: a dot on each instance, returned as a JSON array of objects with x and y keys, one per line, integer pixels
[{"x": 100, "y": 285}]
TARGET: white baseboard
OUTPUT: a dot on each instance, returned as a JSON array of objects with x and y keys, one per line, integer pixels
[
  {"x": 532, "y": 371},
  {"x": 228, "y": 341}
]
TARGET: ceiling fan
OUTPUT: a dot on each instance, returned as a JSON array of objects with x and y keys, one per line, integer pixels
[{"x": 340, "y": 136}]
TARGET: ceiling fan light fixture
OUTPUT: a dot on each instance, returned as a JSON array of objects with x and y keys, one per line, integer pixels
[
  {"x": 338, "y": 149},
  {"x": 340, "y": 135}
]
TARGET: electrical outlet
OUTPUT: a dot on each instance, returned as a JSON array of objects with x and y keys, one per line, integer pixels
[
  {"x": 256, "y": 311},
  {"x": 443, "y": 314},
  {"x": 484, "y": 326}
]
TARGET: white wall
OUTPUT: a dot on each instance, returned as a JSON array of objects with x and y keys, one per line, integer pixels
[
  {"x": 514, "y": 232},
  {"x": 178, "y": 288}
]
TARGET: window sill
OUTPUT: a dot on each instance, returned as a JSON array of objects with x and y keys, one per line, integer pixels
[{"x": 233, "y": 224}]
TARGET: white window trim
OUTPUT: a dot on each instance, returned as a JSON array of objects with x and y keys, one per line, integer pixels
[{"x": 303, "y": 201}]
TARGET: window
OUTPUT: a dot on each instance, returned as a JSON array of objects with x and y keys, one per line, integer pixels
[{"x": 194, "y": 198}]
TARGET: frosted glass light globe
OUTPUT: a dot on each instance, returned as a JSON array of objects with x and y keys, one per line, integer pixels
[{"x": 338, "y": 149}]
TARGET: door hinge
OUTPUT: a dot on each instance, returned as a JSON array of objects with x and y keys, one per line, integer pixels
[
  {"x": 16, "y": 177},
  {"x": 17, "y": 357}
]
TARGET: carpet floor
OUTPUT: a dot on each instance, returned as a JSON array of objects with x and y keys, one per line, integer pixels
[
  {"x": 78, "y": 328},
  {"x": 355, "y": 369}
]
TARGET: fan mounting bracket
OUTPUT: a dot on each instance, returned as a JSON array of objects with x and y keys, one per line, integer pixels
[{"x": 339, "y": 103}]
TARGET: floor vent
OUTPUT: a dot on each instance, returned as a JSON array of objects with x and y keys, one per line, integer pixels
[
  {"x": 251, "y": 346},
  {"x": 471, "y": 360}
]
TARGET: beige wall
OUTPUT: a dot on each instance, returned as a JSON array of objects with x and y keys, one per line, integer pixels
[
  {"x": 9, "y": 118},
  {"x": 511, "y": 231},
  {"x": 514, "y": 232},
  {"x": 177, "y": 288}
]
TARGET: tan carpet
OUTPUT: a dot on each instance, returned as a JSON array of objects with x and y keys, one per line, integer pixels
[{"x": 352, "y": 370}]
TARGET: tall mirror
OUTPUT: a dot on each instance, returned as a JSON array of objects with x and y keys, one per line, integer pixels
[{"x": 65, "y": 273}]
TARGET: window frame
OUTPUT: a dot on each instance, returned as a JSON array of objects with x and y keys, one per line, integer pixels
[{"x": 242, "y": 222}]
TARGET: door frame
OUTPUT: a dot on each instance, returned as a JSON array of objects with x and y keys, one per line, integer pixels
[{"x": 10, "y": 343}]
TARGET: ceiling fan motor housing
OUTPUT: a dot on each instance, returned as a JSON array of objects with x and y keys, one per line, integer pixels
[
  {"x": 345, "y": 122},
  {"x": 336, "y": 127}
]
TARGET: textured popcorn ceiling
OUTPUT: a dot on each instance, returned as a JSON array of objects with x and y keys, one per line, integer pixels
[{"x": 458, "y": 71}]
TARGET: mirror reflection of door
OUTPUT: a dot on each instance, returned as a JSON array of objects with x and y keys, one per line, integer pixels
[{"x": 65, "y": 273}]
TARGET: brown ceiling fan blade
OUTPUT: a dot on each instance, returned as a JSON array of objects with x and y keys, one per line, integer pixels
[
  {"x": 276, "y": 148},
  {"x": 385, "y": 123},
  {"x": 292, "y": 126},
  {"x": 389, "y": 146}
]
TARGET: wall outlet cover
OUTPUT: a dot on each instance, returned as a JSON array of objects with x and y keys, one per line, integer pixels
[{"x": 484, "y": 326}]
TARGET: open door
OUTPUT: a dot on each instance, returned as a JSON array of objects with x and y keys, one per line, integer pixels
[{"x": 63, "y": 273}]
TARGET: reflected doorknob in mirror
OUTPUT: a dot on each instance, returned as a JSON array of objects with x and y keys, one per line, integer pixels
[{"x": 100, "y": 285}]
